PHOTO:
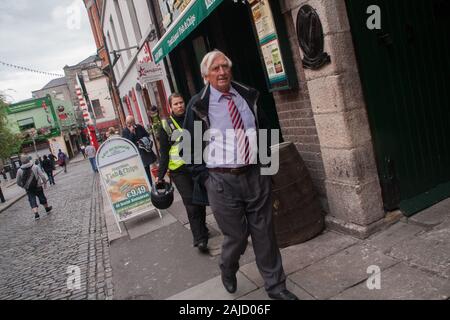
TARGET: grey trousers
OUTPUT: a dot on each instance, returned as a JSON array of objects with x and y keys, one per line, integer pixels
[{"x": 242, "y": 206}]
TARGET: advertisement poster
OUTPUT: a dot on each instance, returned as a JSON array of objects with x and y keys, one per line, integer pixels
[
  {"x": 124, "y": 179},
  {"x": 127, "y": 187},
  {"x": 268, "y": 42},
  {"x": 272, "y": 59},
  {"x": 262, "y": 17}
]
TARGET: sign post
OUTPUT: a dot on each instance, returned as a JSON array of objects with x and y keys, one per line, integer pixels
[{"x": 124, "y": 179}]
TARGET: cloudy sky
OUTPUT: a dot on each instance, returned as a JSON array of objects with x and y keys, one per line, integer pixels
[{"x": 45, "y": 35}]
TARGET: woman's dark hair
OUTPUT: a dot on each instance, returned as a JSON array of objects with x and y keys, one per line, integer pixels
[
  {"x": 45, "y": 157},
  {"x": 174, "y": 95}
]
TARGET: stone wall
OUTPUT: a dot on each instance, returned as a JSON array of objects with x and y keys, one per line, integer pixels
[{"x": 339, "y": 113}]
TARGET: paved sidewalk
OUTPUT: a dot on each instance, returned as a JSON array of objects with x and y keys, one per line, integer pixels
[{"x": 154, "y": 259}]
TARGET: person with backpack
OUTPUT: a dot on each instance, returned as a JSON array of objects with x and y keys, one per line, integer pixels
[
  {"x": 62, "y": 160},
  {"x": 31, "y": 178}
]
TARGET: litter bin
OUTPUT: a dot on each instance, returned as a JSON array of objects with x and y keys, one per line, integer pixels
[{"x": 297, "y": 211}]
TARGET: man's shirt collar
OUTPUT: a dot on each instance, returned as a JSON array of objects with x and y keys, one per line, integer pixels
[{"x": 216, "y": 95}]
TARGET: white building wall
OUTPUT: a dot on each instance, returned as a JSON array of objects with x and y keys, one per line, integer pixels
[
  {"x": 98, "y": 90},
  {"x": 127, "y": 76},
  {"x": 143, "y": 14}
]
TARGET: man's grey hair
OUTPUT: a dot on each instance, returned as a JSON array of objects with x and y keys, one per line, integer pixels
[{"x": 208, "y": 60}]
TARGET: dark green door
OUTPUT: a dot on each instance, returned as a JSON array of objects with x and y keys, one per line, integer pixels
[{"x": 405, "y": 72}]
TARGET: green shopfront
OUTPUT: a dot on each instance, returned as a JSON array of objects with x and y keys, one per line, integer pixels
[{"x": 48, "y": 119}]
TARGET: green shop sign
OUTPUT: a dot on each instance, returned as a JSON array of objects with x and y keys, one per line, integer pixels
[
  {"x": 192, "y": 16},
  {"x": 39, "y": 103},
  {"x": 28, "y": 105}
]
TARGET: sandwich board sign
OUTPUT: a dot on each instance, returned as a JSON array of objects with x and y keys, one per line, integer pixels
[{"x": 124, "y": 179}]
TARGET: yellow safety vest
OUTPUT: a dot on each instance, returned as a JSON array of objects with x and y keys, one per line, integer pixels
[{"x": 175, "y": 161}]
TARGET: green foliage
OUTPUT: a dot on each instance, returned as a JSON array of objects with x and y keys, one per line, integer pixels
[{"x": 9, "y": 143}]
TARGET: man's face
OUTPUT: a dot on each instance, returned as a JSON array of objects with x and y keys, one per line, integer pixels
[
  {"x": 130, "y": 124},
  {"x": 178, "y": 107},
  {"x": 219, "y": 74}
]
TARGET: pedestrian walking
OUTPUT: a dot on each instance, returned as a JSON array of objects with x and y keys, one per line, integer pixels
[
  {"x": 239, "y": 195},
  {"x": 111, "y": 133},
  {"x": 3, "y": 173},
  {"x": 91, "y": 153},
  {"x": 31, "y": 178},
  {"x": 141, "y": 138},
  {"x": 53, "y": 159},
  {"x": 48, "y": 168},
  {"x": 179, "y": 172},
  {"x": 62, "y": 160}
]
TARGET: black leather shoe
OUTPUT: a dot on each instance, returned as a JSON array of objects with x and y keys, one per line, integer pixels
[
  {"x": 283, "y": 295},
  {"x": 230, "y": 283},
  {"x": 203, "y": 247}
]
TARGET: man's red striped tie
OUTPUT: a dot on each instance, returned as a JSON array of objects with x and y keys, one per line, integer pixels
[{"x": 239, "y": 129}]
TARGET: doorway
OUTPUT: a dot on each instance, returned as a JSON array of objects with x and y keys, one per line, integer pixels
[{"x": 404, "y": 70}]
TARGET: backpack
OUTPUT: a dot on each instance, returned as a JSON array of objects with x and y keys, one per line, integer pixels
[{"x": 29, "y": 178}]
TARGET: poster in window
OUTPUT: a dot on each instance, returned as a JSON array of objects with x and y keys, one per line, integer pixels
[{"x": 269, "y": 44}]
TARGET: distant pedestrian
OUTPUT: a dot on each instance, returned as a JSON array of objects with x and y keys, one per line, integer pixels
[
  {"x": 62, "y": 160},
  {"x": 53, "y": 159},
  {"x": 141, "y": 138},
  {"x": 3, "y": 173},
  {"x": 31, "y": 178},
  {"x": 48, "y": 168},
  {"x": 111, "y": 133},
  {"x": 91, "y": 152},
  {"x": 83, "y": 150}
]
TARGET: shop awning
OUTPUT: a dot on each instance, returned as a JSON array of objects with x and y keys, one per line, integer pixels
[{"x": 189, "y": 19}]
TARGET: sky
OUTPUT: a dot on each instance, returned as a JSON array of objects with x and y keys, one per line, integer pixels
[{"x": 45, "y": 35}]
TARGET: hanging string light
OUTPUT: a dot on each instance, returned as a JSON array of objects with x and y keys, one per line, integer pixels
[{"x": 30, "y": 70}]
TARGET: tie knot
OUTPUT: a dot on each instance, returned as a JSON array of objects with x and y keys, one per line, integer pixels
[{"x": 227, "y": 96}]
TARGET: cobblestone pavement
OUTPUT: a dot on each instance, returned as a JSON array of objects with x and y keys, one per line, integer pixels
[{"x": 36, "y": 257}]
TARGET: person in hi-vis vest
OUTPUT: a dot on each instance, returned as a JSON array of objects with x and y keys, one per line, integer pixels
[{"x": 171, "y": 160}]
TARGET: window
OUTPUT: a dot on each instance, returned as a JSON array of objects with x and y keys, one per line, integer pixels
[
  {"x": 26, "y": 124},
  {"x": 98, "y": 113},
  {"x": 134, "y": 21},
  {"x": 59, "y": 96}
]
